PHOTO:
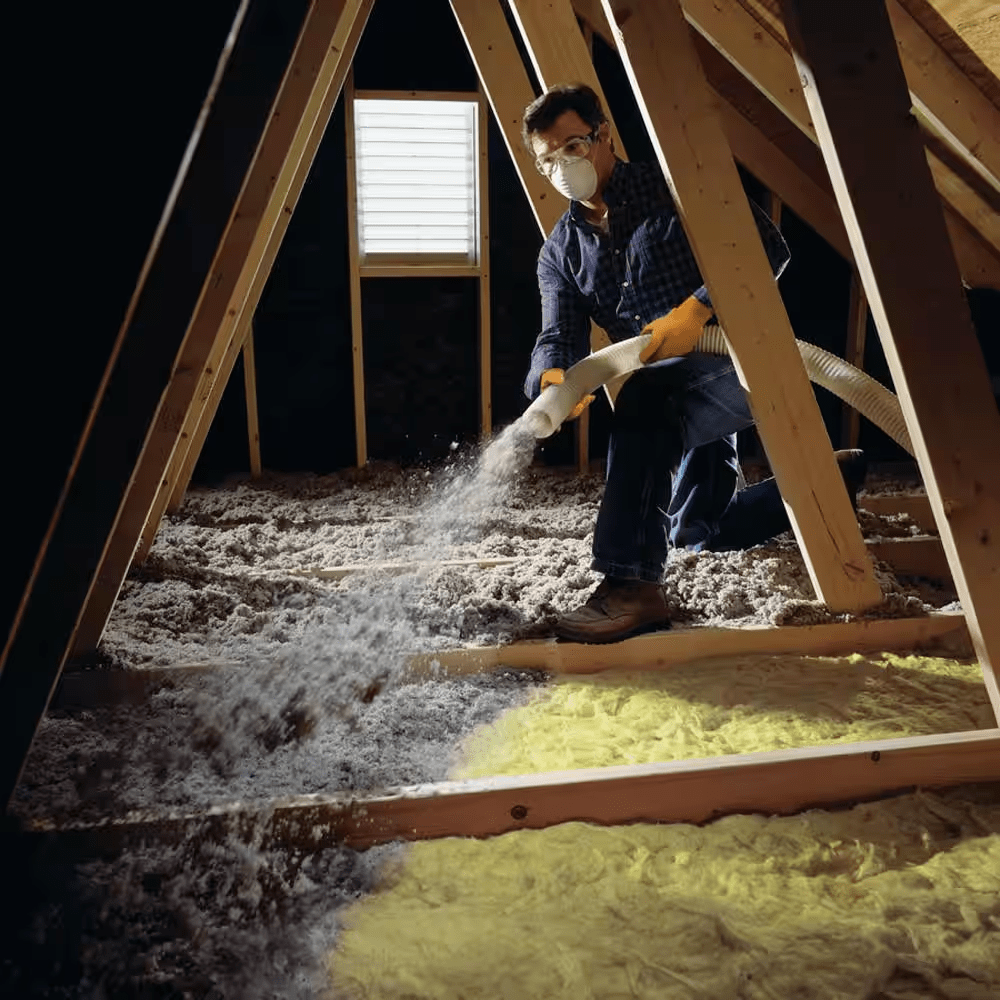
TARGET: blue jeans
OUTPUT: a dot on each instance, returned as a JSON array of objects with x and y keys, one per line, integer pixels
[{"x": 672, "y": 470}]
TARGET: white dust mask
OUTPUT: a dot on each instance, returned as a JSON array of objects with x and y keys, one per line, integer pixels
[{"x": 576, "y": 179}]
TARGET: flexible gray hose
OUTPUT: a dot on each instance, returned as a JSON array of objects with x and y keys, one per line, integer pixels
[{"x": 870, "y": 398}]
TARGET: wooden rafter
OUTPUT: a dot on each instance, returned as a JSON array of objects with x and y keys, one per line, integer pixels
[
  {"x": 194, "y": 433},
  {"x": 949, "y": 103},
  {"x": 239, "y": 273},
  {"x": 883, "y": 185},
  {"x": 242, "y": 196},
  {"x": 946, "y": 99},
  {"x": 966, "y": 32},
  {"x": 509, "y": 92},
  {"x": 558, "y": 49},
  {"x": 180, "y": 469},
  {"x": 695, "y": 157}
]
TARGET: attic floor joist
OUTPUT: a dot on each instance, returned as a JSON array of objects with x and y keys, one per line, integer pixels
[
  {"x": 91, "y": 689},
  {"x": 689, "y": 791}
]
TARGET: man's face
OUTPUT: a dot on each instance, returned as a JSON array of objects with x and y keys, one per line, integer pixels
[{"x": 567, "y": 127}]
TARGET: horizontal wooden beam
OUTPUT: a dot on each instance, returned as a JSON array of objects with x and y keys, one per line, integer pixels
[
  {"x": 663, "y": 650},
  {"x": 913, "y": 556},
  {"x": 690, "y": 791},
  {"x": 657, "y": 651},
  {"x": 339, "y": 572},
  {"x": 916, "y": 506}
]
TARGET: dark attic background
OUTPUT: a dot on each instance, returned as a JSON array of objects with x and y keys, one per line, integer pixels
[{"x": 125, "y": 83}]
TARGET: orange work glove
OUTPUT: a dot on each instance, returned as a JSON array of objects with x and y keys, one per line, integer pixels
[
  {"x": 555, "y": 376},
  {"x": 676, "y": 333}
]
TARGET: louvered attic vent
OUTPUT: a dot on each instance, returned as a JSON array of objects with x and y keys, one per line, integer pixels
[{"x": 416, "y": 180}]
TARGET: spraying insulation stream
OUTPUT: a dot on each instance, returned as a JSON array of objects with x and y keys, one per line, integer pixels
[{"x": 614, "y": 363}]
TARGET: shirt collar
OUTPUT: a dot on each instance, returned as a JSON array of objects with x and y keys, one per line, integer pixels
[{"x": 615, "y": 187}]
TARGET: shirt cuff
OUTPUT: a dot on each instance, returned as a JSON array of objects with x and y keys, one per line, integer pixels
[
  {"x": 532, "y": 383},
  {"x": 701, "y": 294}
]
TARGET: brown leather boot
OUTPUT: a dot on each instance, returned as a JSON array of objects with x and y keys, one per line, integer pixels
[{"x": 616, "y": 610}]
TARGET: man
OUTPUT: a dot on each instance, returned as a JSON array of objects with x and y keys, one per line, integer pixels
[{"x": 620, "y": 256}]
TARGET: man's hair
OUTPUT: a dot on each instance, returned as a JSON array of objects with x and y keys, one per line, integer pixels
[{"x": 542, "y": 112}]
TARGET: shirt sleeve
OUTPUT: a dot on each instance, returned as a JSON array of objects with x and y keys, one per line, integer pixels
[
  {"x": 775, "y": 247},
  {"x": 565, "y": 335}
]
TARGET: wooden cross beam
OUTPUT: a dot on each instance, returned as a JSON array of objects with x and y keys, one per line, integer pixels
[
  {"x": 684, "y": 791},
  {"x": 854, "y": 84},
  {"x": 657, "y": 651},
  {"x": 190, "y": 295}
]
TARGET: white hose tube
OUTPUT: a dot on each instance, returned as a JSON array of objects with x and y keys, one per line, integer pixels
[{"x": 870, "y": 398}]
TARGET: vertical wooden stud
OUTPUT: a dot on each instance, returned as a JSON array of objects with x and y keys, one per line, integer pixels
[
  {"x": 250, "y": 387},
  {"x": 354, "y": 253},
  {"x": 854, "y": 353},
  {"x": 485, "y": 336}
]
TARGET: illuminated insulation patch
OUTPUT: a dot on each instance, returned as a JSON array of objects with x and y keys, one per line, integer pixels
[
  {"x": 730, "y": 705},
  {"x": 896, "y": 899},
  {"x": 882, "y": 901}
]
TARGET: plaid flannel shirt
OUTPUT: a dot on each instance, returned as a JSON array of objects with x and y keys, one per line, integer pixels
[{"x": 623, "y": 280}]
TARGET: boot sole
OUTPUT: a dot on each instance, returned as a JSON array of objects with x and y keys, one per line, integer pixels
[{"x": 592, "y": 639}]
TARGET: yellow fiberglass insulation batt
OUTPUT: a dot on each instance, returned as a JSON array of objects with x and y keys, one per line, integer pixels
[{"x": 892, "y": 900}]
